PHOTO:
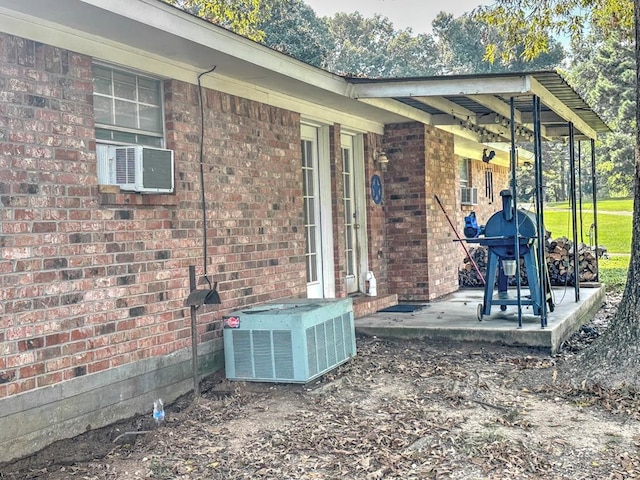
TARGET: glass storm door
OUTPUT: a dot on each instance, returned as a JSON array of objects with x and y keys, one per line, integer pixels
[
  {"x": 312, "y": 225},
  {"x": 351, "y": 220}
]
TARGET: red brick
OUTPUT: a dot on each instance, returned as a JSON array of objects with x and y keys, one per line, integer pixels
[
  {"x": 31, "y": 370},
  {"x": 81, "y": 333},
  {"x": 97, "y": 366},
  {"x": 20, "y": 359},
  {"x": 57, "y": 364},
  {"x": 21, "y": 386},
  {"x": 73, "y": 348},
  {"x": 30, "y": 344},
  {"x": 49, "y": 379}
]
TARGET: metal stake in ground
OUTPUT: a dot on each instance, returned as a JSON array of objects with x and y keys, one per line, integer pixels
[
  {"x": 194, "y": 334},
  {"x": 461, "y": 241}
]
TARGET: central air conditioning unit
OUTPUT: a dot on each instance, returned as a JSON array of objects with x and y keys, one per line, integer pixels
[
  {"x": 469, "y": 195},
  {"x": 137, "y": 168},
  {"x": 288, "y": 341}
]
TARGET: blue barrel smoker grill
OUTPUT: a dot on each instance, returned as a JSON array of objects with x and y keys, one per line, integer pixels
[{"x": 499, "y": 237}]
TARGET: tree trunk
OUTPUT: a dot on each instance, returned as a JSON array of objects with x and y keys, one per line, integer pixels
[{"x": 615, "y": 359}]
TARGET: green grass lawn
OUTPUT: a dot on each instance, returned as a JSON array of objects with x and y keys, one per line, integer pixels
[
  {"x": 613, "y": 272},
  {"x": 609, "y": 205},
  {"x": 614, "y": 232}
]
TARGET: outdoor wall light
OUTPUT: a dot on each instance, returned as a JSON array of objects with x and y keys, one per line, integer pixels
[{"x": 381, "y": 158}]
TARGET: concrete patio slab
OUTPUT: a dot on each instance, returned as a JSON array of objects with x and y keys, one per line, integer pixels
[{"x": 454, "y": 317}]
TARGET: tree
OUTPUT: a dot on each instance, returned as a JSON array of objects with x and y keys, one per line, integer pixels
[
  {"x": 603, "y": 73},
  {"x": 294, "y": 28},
  {"x": 462, "y": 42},
  {"x": 239, "y": 16},
  {"x": 614, "y": 360},
  {"x": 371, "y": 47}
]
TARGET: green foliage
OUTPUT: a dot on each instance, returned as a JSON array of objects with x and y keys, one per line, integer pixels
[
  {"x": 239, "y": 16},
  {"x": 555, "y": 167},
  {"x": 372, "y": 47},
  {"x": 354, "y": 45},
  {"x": 527, "y": 24},
  {"x": 294, "y": 28},
  {"x": 462, "y": 43},
  {"x": 603, "y": 72}
]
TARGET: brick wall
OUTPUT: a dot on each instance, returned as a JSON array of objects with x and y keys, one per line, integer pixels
[
  {"x": 51, "y": 269},
  {"x": 376, "y": 218},
  {"x": 423, "y": 257},
  {"x": 91, "y": 281},
  {"x": 485, "y": 207},
  {"x": 405, "y": 206},
  {"x": 337, "y": 210},
  {"x": 441, "y": 180},
  {"x": 253, "y": 184}
]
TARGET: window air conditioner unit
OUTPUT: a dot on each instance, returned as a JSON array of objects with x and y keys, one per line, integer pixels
[
  {"x": 469, "y": 195},
  {"x": 289, "y": 341},
  {"x": 139, "y": 169}
]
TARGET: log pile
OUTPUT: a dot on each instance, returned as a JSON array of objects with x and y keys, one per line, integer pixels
[{"x": 559, "y": 256}]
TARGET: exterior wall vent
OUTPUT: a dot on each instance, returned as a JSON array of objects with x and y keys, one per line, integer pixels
[{"x": 288, "y": 341}]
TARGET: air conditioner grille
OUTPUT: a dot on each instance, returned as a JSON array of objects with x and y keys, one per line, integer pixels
[
  {"x": 331, "y": 342},
  {"x": 312, "y": 349},
  {"x": 340, "y": 338},
  {"x": 468, "y": 195},
  {"x": 262, "y": 346},
  {"x": 290, "y": 342},
  {"x": 347, "y": 332},
  {"x": 242, "y": 353},
  {"x": 282, "y": 354},
  {"x": 157, "y": 169},
  {"x": 125, "y": 165},
  {"x": 321, "y": 347}
]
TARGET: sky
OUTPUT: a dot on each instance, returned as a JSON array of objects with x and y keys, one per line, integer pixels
[{"x": 416, "y": 14}]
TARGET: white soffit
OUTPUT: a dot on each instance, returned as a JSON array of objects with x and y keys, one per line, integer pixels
[
  {"x": 149, "y": 33},
  {"x": 430, "y": 87}
]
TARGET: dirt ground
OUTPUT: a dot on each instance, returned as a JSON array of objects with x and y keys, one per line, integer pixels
[{"x": 399, "y": 410}]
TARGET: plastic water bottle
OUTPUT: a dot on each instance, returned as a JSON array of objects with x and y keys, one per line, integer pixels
[
  {"x": 371, "y": 286},
  {"x": 158, "y": 411}
]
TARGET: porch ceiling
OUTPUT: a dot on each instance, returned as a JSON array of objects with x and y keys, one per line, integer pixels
[{"x": 477, "y": 108}]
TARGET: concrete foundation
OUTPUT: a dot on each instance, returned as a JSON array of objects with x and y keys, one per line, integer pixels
[
  {"x": 32, "y": 420},
  {"x": 455, "y": 318}
]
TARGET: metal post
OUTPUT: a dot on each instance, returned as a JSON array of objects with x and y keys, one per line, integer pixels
[
  {"x": 574, "y": 219},
  {"x": 580, "y": 188},
  {"x": 194, "y": 334},
  {"x": 541, "y": 244},
  {"x": 514, "y": 164},
  {"x": 594, "y": 192}
]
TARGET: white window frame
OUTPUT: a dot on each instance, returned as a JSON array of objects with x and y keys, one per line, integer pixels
[
  {"x": 113, "y": 128},
  {"x": 464, "y": 165}
]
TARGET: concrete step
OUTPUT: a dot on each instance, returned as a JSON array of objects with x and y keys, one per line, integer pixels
[{"x": 364, "y": 305}]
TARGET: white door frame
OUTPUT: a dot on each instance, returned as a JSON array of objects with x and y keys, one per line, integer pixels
[
  {"x": 361, "y": 250},
  {"x": 324, "y": 286}
]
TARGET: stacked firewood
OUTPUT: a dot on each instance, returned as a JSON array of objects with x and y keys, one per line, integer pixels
[{"x": 559, "y": 257}]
